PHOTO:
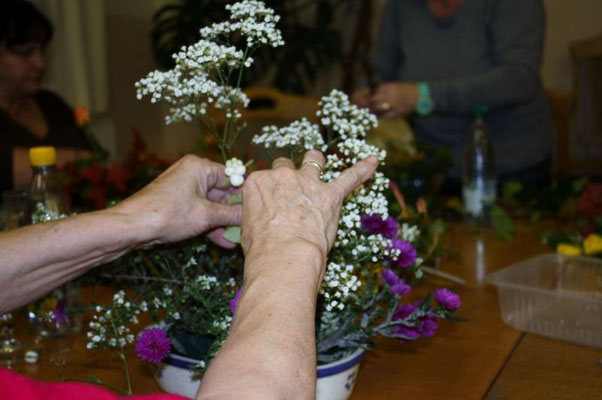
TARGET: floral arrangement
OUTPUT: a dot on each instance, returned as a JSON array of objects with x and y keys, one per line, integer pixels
[
  {"x": 98, "y": 182},
  {"x": 192, "y": 287}
]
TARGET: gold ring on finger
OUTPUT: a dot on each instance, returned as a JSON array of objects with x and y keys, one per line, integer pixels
[{"x": 313, "y": 164}]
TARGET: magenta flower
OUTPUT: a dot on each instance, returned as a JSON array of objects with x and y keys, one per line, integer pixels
[
  {"x": 447, "y": 299},
  {"x": 407, "y": 253},
  {"x": 428, "y": 326},
  {"x": 396, "y": 284},
  {"x": 153, "y": 345},
  {"x": 374, "y": 224},
  {"x": 234, "y": 301},
  {"x": 59, "y": 314}
]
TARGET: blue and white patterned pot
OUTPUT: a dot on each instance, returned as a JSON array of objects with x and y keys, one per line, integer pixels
[{"x": 335, "y": 380}]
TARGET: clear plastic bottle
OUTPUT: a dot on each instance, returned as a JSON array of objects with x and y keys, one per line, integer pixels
[
  {"x": 46, "y": 196},
  {"x": 478, "y": 171}
]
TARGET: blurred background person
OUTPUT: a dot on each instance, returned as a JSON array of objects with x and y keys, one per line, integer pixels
[
  {"x": 29, "y": 116},
  {"x": 438, "y": 60}
]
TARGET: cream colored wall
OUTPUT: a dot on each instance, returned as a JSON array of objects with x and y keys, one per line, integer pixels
[
  {"x": 130, "y": 59},
  {"x": 567, "y": 21}
]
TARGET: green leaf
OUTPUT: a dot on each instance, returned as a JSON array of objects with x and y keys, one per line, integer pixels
[
  {"x": 437, "y": 227},
  {"x": 235, "y": 199},
  {"x": 225, "y": 183},
  {"x": 502, "y": 223},
  {"x": 511, "y": 189},
  {"x": 93, "y": 379},
  {"x": 232, "y": 234}
]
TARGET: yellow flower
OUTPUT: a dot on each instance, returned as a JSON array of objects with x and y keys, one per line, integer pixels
[
  {"x": 568, "y": 249},
  {"x": 593, "y": 244}
]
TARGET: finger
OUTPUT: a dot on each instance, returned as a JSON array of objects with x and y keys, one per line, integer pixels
[
  {"x": 353, "y": 177},
  {"x": 217, "y": 214},
  {"x": 313, "y": 163},
  {"x": 217, "y": 237},
  {"x": 283, "y": 162}
]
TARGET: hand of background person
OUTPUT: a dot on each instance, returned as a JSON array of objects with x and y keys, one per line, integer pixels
[
  {"x": 186, "y": 200},
  {"x": 361, "y": 97},
  {"x": 394, "y": 99},
  {"x": 285, "y": 206}
]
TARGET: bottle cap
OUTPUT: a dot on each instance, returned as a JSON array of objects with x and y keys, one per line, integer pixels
[{"x": 42, "y": 156}]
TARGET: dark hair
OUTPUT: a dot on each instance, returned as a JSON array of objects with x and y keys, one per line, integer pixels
[{"x": 21, "y": 22}]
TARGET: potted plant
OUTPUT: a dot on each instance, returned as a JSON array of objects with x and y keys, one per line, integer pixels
[{"x": 192, "y": 287}]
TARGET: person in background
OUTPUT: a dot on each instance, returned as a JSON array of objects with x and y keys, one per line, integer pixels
[
  {"x": 288, "y": 220},
  {"x": 437, "y": 60},
  {"x": 29, "y": 116}
]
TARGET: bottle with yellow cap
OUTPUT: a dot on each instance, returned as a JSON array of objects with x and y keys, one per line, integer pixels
[{"x": 46, "y": 196}]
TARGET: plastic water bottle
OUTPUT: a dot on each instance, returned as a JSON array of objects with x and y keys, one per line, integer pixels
[
  {"x": 478, "y": 171},
  {"x": 46, "y": 196}
]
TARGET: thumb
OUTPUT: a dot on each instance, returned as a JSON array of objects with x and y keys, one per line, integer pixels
[{"x": 218, "y": 214}]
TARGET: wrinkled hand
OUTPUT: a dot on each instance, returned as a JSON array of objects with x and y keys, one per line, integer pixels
[
  {"x": 286, "y": 206},
  {"x": 394, "y": 99},
  {"x": 185, "y": 200}
]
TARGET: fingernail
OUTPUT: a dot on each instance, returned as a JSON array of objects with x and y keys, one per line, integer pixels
[{"x": 372, "y": 160}]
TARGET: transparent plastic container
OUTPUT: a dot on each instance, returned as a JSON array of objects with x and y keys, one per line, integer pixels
[{"x": 553, "y": 295}]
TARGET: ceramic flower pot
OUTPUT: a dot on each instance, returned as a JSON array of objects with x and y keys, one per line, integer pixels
[{"x": 335, "y": 380}]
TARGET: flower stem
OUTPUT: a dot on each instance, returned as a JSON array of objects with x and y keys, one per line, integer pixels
[{"x": 127, "y": 371}]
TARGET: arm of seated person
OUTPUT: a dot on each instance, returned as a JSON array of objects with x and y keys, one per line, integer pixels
[
  {"x": 22, "y": 167},
  {"x": 186, "y": 200}
]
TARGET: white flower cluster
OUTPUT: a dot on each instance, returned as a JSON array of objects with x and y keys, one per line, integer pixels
[
  {"x": 108, "y": 327},
  {"x": 346, "y": 119},
  {"x": 235, "y": 170},
  {"x": 43, "y": 214},
  {"x": 253, "y": 19},
  {"x": 341, "y": 283},
  {"x": 302, "y": 134},
  {"x": 409, "y": 233},
  {"x": 347, "y": 125},
  {"x": 224, "y": 323},
  {"x": 202, "y": 71}
]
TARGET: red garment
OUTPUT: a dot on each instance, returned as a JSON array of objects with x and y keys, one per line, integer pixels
[{"x": 17, "y": 387}]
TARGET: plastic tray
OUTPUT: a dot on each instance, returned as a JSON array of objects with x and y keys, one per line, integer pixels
[{"x": 553, "y": 295}]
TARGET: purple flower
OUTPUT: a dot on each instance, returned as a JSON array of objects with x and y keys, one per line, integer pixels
[
  {"x": 234, "y": 301},
  {"x": 407, "y": 253},
  {"x": 401, "y": 288},
  {"x": 374, "y": 223},
  {"x": 153, "y": 345},
  {"x": 405, "y": 310},
  {"x": 447, "y": 299},
  {"x": 389, "y": 277},
  {"x": 397, "y": 285},
  {"x": 411, "y": 333},
  {"x": 59, "y": 314},
  {"x": 428, "y": 326}
]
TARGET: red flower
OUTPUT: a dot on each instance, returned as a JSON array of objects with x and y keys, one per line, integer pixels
[
  {"x": 590, "y": 202},
  {"x": 118, "y": 175},
  {"x": 93, "y": 173},
  {"x": 98, "y": 195},
  {"x": 82, "y": 116}
]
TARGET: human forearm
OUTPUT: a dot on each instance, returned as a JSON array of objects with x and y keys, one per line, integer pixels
[
  {"x": 272, "y": 341},
  {"x": 38, "y": 258},
  {"x": 496, "y": 88}
]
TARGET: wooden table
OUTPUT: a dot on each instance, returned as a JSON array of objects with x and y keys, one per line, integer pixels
[{"x": 479, "y": 359}]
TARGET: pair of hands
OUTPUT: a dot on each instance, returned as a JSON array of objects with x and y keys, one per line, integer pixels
[
  {"x": 389, "y": 100},
  {"x": 281, "y": 205}
]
